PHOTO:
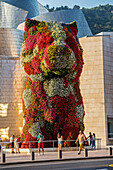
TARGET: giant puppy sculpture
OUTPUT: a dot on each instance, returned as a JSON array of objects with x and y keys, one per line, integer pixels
[{"x": 52, "y": 57}]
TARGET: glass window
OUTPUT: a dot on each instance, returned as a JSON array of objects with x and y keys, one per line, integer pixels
[{"x": 110, "y": 127}]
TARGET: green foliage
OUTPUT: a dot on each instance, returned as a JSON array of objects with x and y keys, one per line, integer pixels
[
  {"x": 24, "y": 36},
  {"x": 28, "y": 85},
  {"x": 7, "y": 146},
  {"x": 57, "y": 8},
  {"x": 99, "y": 18},
  {"x": 49, "y": 127},
  {"x": 32, "y": 32},
  {"x": 30, "y": 23},
  {"x": 76, "y": 7}
]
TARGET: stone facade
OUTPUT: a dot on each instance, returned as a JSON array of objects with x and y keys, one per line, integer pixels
[{"x": 97, "y": 84}]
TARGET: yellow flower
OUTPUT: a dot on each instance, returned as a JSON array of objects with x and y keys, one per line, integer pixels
[{"x": 42, "y": 27}]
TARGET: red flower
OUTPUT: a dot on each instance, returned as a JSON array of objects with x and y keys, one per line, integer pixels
[{"x": 28, "y": 68}]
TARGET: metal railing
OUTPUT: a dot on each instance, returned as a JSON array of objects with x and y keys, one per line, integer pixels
[{"x": 53, "y": 143}]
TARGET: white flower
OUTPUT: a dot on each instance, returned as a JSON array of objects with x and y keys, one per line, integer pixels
[
  {"x": 35, "y": 129},
  {"x": 57, "y": 32},
  {"x": 37, "y": 77},
  {"x": 27, "y": 97},
  {"x": 71, "y": 61},
  {"x": 80, "y": 112},
  {"x": 56, "y": 87},
  {"x": 61, "y": 61}
]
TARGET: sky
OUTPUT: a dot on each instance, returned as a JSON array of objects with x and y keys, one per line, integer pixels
[{"x": 71, "y": 3}]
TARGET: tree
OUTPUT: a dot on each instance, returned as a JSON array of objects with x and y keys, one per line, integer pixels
[{"x": 76, "y": 7}]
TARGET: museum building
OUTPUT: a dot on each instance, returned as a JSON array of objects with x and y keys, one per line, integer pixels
[{"x": 96, "y": 80}]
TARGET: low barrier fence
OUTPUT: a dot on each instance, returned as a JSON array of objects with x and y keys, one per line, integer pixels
[
  {"x": 53, "y": 143},
  {"x": 33, "y": 155}
]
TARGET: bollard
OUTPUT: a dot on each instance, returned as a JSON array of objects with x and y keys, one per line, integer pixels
[
  {"x": 110, "y": 150},
  {"x": 86, "y": 152},
  {"x": 59, "y": 154},
  {"x": 2, "y": 157},
  {"x": 32, "y": 156}
]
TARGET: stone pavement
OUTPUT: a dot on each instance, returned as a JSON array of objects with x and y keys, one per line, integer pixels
[{"x": 50, "y": 156}]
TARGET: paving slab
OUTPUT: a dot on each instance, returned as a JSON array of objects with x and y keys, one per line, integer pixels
[{"x": 51, "y": 156}]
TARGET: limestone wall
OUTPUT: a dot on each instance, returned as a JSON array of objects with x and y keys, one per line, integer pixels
[
  {"x": 108, "y": 77},
  {"x": 92, "y": 86}
]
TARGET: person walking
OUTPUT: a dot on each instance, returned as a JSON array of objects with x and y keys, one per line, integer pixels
[
  {"x": 60, "y": 141},
  {"x": 93, "y": 140},
  {"x": 40, "y": 143},
  {"x": 12, "y": 143},
  {"x": 81, "y": 139},
  {"x": 90, "y": 138},
  {"x": 17, "y": 145}
]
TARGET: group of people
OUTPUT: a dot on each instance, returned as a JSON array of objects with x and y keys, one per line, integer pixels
[
  {"x": 92, "y": 139},
  {"x": 81, "y": 139},
  {"x": 14, "y": 144}
]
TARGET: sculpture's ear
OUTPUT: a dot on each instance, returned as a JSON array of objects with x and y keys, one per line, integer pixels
[
  {"x": 72, "y": 28},
  {"x": 30, "y": 23}
]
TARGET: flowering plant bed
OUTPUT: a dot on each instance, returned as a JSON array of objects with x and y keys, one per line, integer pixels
[{"x": 52, "y": 58}]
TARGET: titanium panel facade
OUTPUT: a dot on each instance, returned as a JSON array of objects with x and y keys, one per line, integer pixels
[
  {"x": 42, "y": 9},
  {"x": 10, "y": 42},
  {"x": 12, "y": 82},
  {"x": 66, "y": 16},
  {"x": 28, "y": 5},
  {"x": 11, "y": 16}
]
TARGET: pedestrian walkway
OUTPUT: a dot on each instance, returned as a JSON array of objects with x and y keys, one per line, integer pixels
[{"x": 24, "y": 157}]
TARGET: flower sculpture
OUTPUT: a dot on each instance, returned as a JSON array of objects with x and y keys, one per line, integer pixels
[{"x": 52, "y": 58}]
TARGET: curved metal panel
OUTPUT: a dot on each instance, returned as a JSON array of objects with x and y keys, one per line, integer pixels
[
  {"x": 12, "y": 82},
  {"x": 42, "y": 9},
  {"x": 11, "y": 16},
  {"x": 10, "y": 42},
  {"x": 29, "y": 5},
  {"x": 68, "y": 16}
]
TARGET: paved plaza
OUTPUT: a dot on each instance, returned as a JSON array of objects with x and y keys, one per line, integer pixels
[{"x": 51, "y": 156}]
